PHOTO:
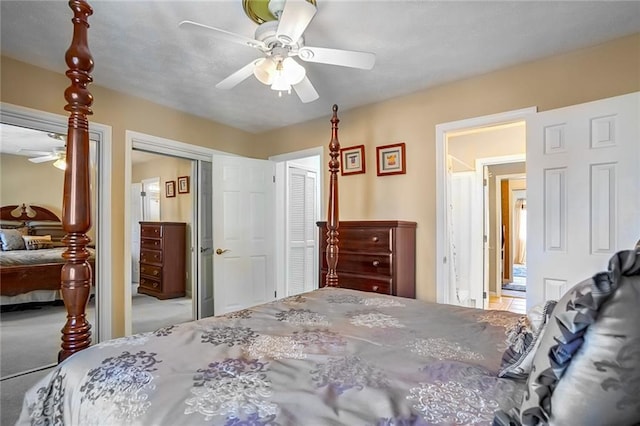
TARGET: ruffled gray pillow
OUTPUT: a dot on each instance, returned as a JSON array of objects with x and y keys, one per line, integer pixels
[
  {"x": 587, "y": 368},
  {"x": 524, "y": 339}
]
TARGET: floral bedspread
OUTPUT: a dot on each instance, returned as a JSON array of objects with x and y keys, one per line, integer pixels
[{"x": 328, "y": 357}]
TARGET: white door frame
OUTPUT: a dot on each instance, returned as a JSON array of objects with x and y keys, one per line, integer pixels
[
  {"x": 49, "y": 122},
  {"x": 442, "y": 239},
  {"x": 281, "y": 226},
  {"x": 160, "y": 146}
]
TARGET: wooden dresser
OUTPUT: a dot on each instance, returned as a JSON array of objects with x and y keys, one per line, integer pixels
[
  {"x": 162, "y": 259},
  {"x": 378, "y": 256}
]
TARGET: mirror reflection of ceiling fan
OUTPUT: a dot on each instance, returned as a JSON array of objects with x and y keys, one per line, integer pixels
[
  {"x": 281, "y": 40},
  {"x": 57, "y": 154}
]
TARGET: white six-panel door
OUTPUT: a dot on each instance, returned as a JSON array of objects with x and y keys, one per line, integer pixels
[
  {"x": 583, "y": 190},
  {"x": 243, "y": 225}
]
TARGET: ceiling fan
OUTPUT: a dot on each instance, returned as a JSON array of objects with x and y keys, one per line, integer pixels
[
  {"x": 56, "y": 154},
  {"x": 280, "y": 40}
]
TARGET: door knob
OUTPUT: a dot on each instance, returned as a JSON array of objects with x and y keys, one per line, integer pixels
[{"x": 220, "y": 251}]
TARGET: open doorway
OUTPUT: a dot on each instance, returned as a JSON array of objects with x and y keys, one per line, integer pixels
[
  {"x": 512, "y": 279},
  {"x": 298, "y": 206},
  {"x": 471, "y": 214}
]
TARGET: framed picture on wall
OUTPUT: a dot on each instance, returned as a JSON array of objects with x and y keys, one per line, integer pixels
[
  {"x": 170, "y": 189},
  {"x": 183, "y": 184},
  {"x": 352, "y": 160},
  {"x": 391, "y": 159}
]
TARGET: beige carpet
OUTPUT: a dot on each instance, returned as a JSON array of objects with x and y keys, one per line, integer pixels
[
  {"x": 30, "y": 338},
  {"x": 11, "y": 391}
]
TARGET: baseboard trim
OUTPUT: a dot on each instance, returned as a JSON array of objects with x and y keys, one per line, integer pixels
[{"x": 24, "y": 373}]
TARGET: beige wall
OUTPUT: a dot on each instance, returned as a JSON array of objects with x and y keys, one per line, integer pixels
[
  {"x": 173, "y": 209},
  {"x": 588, "y": 74},
  {"x": 22, "y": 181},
  {"x": 598, "y": 72}
]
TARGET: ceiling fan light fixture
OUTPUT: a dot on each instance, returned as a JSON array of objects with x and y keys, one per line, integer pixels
[
  {"x": 264, "y": 70},
  {"x": 286, "y": 74},
  {"x": 293, "y": 71},
  {"x": 280, "y": 83},
  {"x": 60, "y": 163}
]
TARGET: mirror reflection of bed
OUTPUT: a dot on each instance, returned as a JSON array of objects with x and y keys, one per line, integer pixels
[
  {"x": 31, "y": 173},
  {"x": 30, "y": 265}
]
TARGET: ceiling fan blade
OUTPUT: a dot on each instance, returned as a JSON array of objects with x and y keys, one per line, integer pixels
[
  {"x": 237, "y": 77},
  {"x": 305, "y": 91},
  {"x": 34, "y": 151},
  {"x": 296, "y": 17},
  {"x": 344, "y": 58},
  {"x": 43, "y": 159},
  {"x": 222, "y": 34}
]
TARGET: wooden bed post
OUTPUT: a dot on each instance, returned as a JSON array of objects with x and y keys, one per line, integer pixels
[
  {"x": 76, "y": 207},
  {"x": 333, "y": 213}
]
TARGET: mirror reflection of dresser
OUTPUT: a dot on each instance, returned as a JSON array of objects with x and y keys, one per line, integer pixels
[{"x": 162, "y": 259}]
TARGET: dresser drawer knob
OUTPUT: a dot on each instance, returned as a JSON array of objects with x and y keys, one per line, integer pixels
[
  {"x": 375, "y": 239},
  {"x": 376, "y": 262},
  {"x": 375, "y": 288},
  {"x": 155, "y": 284},
  {"x": 155, "y": 272}
]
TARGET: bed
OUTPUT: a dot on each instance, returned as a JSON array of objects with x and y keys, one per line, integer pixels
[
  {"x": 31, "y": 265},
  {"x": 335, "y": 356}
]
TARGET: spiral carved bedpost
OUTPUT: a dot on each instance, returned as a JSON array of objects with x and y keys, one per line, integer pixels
[
  {"x": 332, "y": 215},
  {"x": 76, "y": 208}
]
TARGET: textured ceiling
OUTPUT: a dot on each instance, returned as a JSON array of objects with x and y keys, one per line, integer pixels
[{"x": 138, "y": 48}]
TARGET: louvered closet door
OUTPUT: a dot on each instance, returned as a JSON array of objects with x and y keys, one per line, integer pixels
[
  {"x": 301, "y": 230},
  {"x": 583, "y": 182}
]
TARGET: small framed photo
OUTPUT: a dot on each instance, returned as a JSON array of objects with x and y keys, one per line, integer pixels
[
  {"x": 170, "y": 189},
  {"x": 352, "y": 160},
  {"x": 391, "y": 159},
  {"x": 183, "y": 184}
]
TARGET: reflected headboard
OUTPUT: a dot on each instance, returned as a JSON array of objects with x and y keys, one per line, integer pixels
[{"x": 25, "y": 214}]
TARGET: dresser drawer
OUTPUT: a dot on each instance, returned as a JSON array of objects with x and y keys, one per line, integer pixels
[
  {"x": 150, "y": 256},
  {"x": 363, "y": 239},
  {"x": 150, "y": 284},
  {"x": 150, "y": 270},
  {"x": 362, "y": 283},
  {"x": 151, "y": 243},
  {"x": 151, "y": 231},
  {"x": 377, "y": 264}
]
